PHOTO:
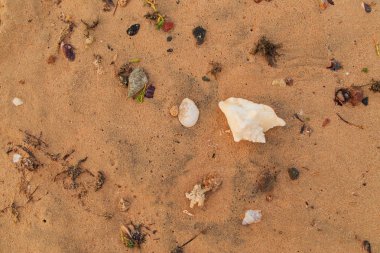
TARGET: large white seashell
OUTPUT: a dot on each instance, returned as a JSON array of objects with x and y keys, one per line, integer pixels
[
  {"x": 188, "y": 113},
  {"x": 248, "y": 120},
  {"x": 252, "y": 216},
  {"x": 136, "y": 81}
]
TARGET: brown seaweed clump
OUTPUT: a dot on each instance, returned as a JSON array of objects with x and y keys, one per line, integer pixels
[
  {"x": 268, "y": 49},
  {"x": 132, "y": 235},
  {"x": 266, "y": 181},
  {"x": 375, "y": 86}
]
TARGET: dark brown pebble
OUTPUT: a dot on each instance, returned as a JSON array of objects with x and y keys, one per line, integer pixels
[
  {"x": 133, "y": 29},
  {"x": 293, "y": 173},
  {"x": 205, "y": 78},
  {"x": 199, "y": 34},
  {"x": 365, "y": 101}
]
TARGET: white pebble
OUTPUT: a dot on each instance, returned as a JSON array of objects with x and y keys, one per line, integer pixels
[
  {"x": 17, "y": 101},
  {"x": 188, "y": 113},
  {"x": 252, "y": 216},
  {"x": 16, "y": 158}
]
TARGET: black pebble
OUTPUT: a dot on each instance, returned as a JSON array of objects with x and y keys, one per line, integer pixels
[
  {"x": 365, "y": 101},
  {"x": 133, "y": 30},
  {"x": 367, "y": 7},
  {"x": 367, "y": 246},
  {"x": 169, "y": 38},
  {"x": 199, "y": 34},
  {"x": 293, "y": 173},
  {"x": 205, "y": 78},
  {"x": 169, "y": 50},
  {"x": 150, "y": 91}
]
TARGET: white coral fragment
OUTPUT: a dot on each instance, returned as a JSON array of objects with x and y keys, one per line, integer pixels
[
  {"x": 252, "y": 216},
  {"x": 197, "y": 196},
  {"x": 248, "y": 120}
]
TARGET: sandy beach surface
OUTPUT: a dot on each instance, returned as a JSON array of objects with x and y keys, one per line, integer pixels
[{"x": 151, "y": 160}]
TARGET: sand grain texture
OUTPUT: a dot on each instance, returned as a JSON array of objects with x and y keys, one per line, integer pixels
[{"x": 150, "y": 158}]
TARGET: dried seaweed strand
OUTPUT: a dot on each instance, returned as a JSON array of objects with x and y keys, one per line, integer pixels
[
  {"x": 160, "y": 19},
  {"x": 140, "y": 97},
  {"x": 349, "y": 123}
]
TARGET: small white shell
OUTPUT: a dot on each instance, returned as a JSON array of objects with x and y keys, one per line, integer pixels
[
  {"x": 17, "y": 101},
  {"x": 252, "y": 216},
  {"x": 188, "y": 113}
]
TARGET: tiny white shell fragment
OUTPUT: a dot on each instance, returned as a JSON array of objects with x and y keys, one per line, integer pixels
[
  {"x": 279, "y": 82},
  {"x": 89, "y": 40},
  {"x": 16, "y": 158},
  {"x": 248, "y": 120},
  {"x": 174, "y": 111},
  {"x": 17, "y": 101},
  {"x": 188, "y": 113},
  {"x": 252, "y": 216}
]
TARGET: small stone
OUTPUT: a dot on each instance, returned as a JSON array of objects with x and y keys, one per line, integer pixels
[
  {"x": 124, "y": 205},
  {"x": 252, "y": 216},
  {"x": 170, "y": 50},
  {"x": 205, "y": 79},
  {"x": 293, "y": 173},
  {"x": 289, "y": 81},
  {"x": 188, "y": 113},
  {"x": 365, "y": 101},
  {"x": 199, "y": 34},
  {"x": 367, "y": 8},
  {"x": 174, "y": 111},
  {"x": 123, "y": 3},
  {"x": 68, "y": 51},
  {"x": 136, "y": 81},
  {"x": 89, "y": 40},
  {"x": 169, "y": 38},
  {"x": 279, "y": 82},
  {"x": 133, "y": 29},
  {"x": 16, "y": 158},
  {"x": 17, "y": 101},
  {"x": 167, "y": 26},
  {"x": 51, "y": 59}
]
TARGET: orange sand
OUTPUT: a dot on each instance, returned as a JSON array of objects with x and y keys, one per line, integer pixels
[{"x": 148, "y": 157}]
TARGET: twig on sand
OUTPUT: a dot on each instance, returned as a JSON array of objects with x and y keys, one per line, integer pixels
[{"x": 349, "y": 123}]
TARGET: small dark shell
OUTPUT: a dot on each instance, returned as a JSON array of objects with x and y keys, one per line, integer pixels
[
  {"x": 150, "y": 91},
  {"x": 68, "y": 51},
  {"x": 199, "y": 34},
  {"x": 133, "y": 29}
]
